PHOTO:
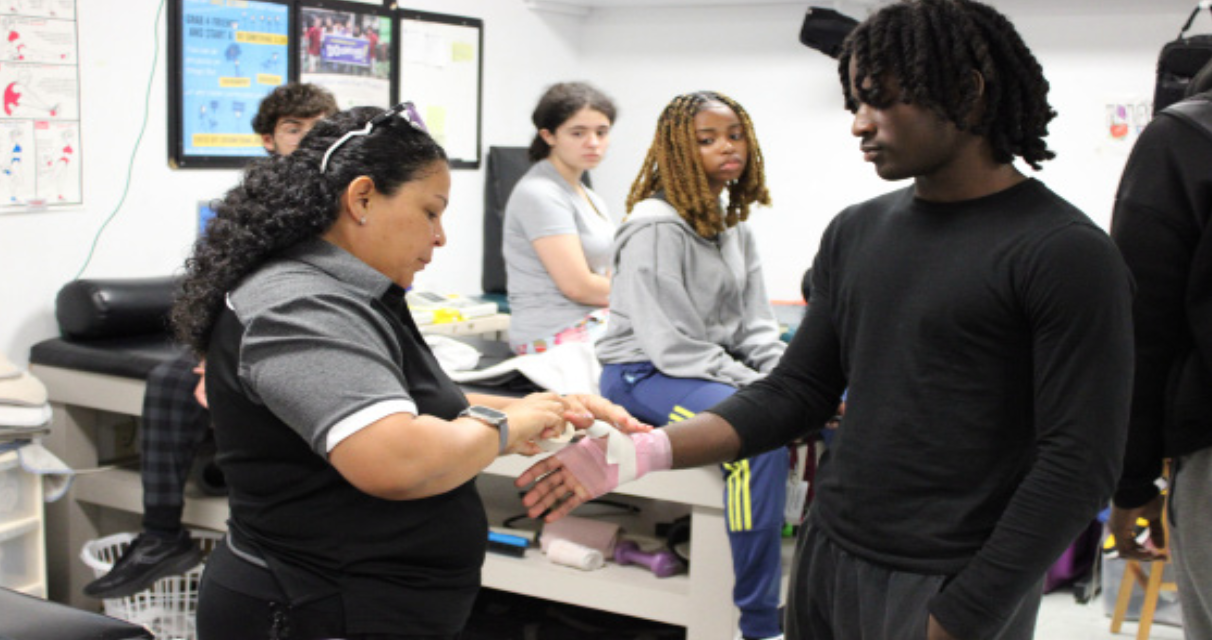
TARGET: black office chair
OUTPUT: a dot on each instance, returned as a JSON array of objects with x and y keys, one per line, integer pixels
[{"x": 505, "y": 167}]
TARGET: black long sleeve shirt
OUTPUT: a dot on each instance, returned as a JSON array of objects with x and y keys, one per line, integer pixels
[
  {"x": 987, "y": 347},
  {"x": 1163, "y": 210}
]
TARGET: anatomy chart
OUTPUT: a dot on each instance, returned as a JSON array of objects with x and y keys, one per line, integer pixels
[{"x": 40, "y": 120}]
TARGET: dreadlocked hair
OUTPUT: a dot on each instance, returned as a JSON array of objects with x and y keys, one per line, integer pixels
[
  {"x": 283, "y": 201},
  {"x": 931, "y": 48},
  {"x": 675, "y": 165}
]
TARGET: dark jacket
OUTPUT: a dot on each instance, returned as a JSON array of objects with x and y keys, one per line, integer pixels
[{"x": 1162, "y": 213}]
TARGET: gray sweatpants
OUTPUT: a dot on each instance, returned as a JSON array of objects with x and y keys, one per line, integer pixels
[
  {"x": 836, "y": 596},
  {"x": 1191, "y": 530}
]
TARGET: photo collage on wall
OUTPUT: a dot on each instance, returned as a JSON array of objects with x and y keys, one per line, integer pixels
[
  {"x": 227, "y": 55},
  {"x": 347, "y": 52}
]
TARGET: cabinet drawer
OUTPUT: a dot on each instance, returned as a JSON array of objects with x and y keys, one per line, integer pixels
[
  {"x": 18, "y": 491},
  {"x": 20, "y": 554}
]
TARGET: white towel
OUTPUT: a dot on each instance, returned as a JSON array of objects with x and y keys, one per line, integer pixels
[
  {"x": 22, "y": 390},
  {"x": 14, "y": 416},
  {"x": 7, "y": 368},
  {"x": 571, "y": 367},
  {"x": 56, "y": 475},
  {"x": 452, "y": 354}
]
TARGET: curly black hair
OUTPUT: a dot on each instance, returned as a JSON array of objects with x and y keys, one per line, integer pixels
[
  {"x": 931, "y": 48},
  {"x": 560, "y": 102},
  {"x": 284, "y": 200},
  {"x": 293, "y": 99}
]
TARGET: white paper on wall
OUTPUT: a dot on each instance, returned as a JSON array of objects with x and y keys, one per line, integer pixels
[{"x": 39, "y": 105}]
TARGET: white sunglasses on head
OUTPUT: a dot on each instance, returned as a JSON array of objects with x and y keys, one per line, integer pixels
[{"x": 406, "y": 109}]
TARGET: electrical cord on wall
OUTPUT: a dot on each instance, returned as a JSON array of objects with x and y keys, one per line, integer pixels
[{"x": 130, "y": 168}]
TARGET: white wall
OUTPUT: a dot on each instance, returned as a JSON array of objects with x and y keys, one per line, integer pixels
[
  {"x": 642, "y": 57},
  {"x": 646, "y": 56},
  {"x": 151, "y": 233}
]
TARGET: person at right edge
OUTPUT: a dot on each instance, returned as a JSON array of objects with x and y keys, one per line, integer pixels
[
  {"x": 983, "y": 328},
  {"x": 1161, "y": 224}
]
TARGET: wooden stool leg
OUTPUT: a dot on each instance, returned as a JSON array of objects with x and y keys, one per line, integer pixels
[
  {"x": 1131, "y": 570},
  {"x": 1152, "y": 591}
]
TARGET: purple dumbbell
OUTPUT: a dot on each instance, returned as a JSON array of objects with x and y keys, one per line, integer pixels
[{"x": 662, "y": 563}]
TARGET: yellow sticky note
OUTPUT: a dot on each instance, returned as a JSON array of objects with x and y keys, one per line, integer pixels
[
  {"x": 443, "y": 316},
  {"x": 435, "y": 120},
  {"x": 462, "y": 52}
]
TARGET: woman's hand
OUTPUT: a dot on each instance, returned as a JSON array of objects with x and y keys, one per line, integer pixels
[
  {"x": 537, "y": 416},
  {"x": 581, "y": 409}
]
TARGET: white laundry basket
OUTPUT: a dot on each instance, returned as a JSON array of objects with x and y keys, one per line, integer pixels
[{"x": 166, "y": 608}]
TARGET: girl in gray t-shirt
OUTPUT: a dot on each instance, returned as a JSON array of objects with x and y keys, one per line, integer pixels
[{"x": 558, "y": 233}]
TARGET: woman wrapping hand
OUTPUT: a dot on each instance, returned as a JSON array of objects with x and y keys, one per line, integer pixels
[{"x": 348, "y": 453}]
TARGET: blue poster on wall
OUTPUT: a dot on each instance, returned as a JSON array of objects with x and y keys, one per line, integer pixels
[{"x": 233, "y": 53}]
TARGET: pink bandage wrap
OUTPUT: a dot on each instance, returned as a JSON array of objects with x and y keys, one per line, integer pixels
[{"x": 587, "y": 460}]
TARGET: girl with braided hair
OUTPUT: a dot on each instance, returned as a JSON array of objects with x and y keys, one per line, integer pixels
[
  {"x": 350, "y": 457},
  {"x": 690, "y": 319}
]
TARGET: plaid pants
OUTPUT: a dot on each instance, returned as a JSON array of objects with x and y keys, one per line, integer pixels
[{"x": 174, "y": 425}]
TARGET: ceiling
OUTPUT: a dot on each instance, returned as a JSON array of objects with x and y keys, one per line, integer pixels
[{"x": 859, "y": 7}]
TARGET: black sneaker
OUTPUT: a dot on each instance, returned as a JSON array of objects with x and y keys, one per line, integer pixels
[{"x": 147, "y": 559}]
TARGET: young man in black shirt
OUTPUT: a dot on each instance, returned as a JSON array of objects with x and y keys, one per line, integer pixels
[{"x": 982, "y": 326}]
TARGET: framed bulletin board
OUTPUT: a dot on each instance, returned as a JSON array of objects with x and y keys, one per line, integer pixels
[
  {"x": 226, "y": 55},
  {"x": 224, "y": 58},
  {"x": 441, "y": 62},
  {"x": 346, "y": 48}
]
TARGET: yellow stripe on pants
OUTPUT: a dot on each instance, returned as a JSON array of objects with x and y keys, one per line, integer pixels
[{"x": 740, "y": 509}]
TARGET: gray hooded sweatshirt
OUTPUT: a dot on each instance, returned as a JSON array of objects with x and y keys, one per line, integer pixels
[{"x": 694, "y": 307}]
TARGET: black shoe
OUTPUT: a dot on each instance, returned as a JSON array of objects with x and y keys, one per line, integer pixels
[{"x": 147, "y": 559}]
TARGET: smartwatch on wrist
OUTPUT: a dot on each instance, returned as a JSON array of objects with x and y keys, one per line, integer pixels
[{"x": 492, "y": 417}]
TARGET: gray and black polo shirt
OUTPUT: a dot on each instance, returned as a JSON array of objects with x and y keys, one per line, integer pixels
[{"x": 311, "y": 348}]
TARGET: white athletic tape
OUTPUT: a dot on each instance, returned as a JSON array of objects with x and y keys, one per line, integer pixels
[
  {"x": 620, "y": 450},
  {"x": 559, "y": 442}
]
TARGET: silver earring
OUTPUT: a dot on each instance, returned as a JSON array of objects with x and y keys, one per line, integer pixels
[{"x": 362, "y": 221}]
